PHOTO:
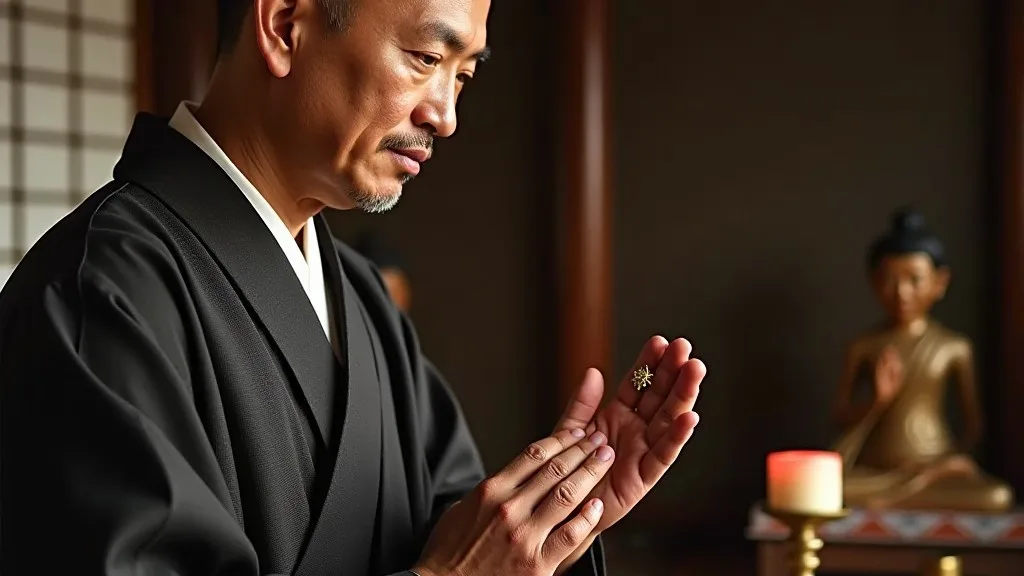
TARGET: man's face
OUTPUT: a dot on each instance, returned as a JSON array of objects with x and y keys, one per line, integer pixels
[{"x": 367, "y": 103}]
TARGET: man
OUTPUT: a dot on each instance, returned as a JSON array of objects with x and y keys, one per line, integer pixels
[{"x": 196, "y": 380}]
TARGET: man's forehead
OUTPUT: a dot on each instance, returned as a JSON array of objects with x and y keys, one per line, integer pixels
[{"x": 465, "y": 19}]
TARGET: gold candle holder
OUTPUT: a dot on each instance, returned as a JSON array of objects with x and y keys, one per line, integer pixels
[
  {"x": 803, "y": 537},
  {"x": 944, "y": 566}
]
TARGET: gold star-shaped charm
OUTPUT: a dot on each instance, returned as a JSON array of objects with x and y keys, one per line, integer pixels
[{"x": 642, "y": 377}]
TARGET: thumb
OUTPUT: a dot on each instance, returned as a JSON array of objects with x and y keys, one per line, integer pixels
[{"x": 585, "y": 402}]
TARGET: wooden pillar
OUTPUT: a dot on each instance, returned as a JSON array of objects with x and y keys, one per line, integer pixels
[
  {"x": 585, "y": 222},
  {"x": 1011, "y": 214},
  {"x": 176, "y": 46}
]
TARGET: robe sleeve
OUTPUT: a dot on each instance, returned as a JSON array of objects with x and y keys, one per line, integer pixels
[{"x": 106, "y": 468}]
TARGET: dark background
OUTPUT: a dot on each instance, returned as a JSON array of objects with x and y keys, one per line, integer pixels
[{"x": 758, "y": 150}]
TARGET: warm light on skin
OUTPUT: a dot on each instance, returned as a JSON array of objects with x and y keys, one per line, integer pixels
[{"x": 317, "y": 118}]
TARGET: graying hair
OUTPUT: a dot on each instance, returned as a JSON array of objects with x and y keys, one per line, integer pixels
[{"x": 339, "y": 13}]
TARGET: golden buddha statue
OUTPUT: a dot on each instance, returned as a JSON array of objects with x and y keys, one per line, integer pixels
[{"x": 898, "y": 449}]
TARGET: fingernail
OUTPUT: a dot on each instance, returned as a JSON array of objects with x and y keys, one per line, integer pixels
[
  {"x": 604, "y": 453},
  {"x": 597, "y": 506},
  {"x": 598, "y": 438},
  {"x": 577, "y": 433}
]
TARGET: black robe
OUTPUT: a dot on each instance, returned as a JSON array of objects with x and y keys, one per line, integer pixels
[{"x": 170, "y": 404}]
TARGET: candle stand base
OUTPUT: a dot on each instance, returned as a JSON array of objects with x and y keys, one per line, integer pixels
[{"x": 803, "y": 537}]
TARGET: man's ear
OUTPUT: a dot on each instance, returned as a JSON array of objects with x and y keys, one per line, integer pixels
[{"x": 277, "y": 31}]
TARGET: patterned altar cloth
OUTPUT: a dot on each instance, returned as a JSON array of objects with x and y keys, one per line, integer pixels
[{"x": 907, "y": 528}]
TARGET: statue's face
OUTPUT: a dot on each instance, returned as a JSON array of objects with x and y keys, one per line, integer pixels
[{"x": 909, "y": 285}]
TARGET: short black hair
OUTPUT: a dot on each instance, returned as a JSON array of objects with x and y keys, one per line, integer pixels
[
  {"x": 908, "y": 235},
  {"x": 231, "y": 16}
]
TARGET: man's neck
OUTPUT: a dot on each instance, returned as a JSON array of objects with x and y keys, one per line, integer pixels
[{"x": 248, "y": 147}]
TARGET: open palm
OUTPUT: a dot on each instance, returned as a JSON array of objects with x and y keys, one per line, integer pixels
[{"x": 647, "y": 428}]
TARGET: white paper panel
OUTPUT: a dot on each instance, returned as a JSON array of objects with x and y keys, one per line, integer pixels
[
  {"x": 5, "y": 40},
  {"x": 6, "y": 225},
  {"x": 60, "y": 6},
  {"x": 105, "y": 113},
  {"x": 5, "y": 103},
  {"x": 46, "y": 107},
  {"x": 44, "y": 47},
  {"x": 105, "y": 57},
  {"x": 46, "y": 168},
  {"x": 98, "y": 167},
  {"x": 5, "y": 171},
  {"x": 113, "y": 11}
]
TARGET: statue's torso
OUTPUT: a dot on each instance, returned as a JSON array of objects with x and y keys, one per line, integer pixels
[{"x": 912, "y": 431}]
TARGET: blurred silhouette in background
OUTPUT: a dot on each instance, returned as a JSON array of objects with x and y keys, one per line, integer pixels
[{"x": 392, "y": 267}]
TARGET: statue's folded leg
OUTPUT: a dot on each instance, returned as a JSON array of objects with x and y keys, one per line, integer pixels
[
  {"x": 970, "y": 494},
  {"x": 949, "y": 485}
]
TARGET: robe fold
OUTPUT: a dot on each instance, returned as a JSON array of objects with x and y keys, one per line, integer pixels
[{"x": 170, "y": 404}]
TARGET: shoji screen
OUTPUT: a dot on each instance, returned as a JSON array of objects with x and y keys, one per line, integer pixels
[{"x": 66, "y": 103}]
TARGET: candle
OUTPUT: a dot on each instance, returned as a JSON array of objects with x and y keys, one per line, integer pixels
[{"x": 805, "y": 481}]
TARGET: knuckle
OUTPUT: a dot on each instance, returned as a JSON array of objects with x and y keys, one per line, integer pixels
[
  {"x": 558, "y": 469},
  {"x": 536, "y": 452},
  {"x": 593, "y": 469},
  {"x": 565, "y": 494},
  {"x": 571, "y": 535},
  {"x": 506, "y": 512},
  {"x": 518, "y": 536},
  {"x": 487, "y": 490}
]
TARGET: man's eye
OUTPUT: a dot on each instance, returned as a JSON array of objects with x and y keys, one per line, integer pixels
[{"x": 428, "y": 59}]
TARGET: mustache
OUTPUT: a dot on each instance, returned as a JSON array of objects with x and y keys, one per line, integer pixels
[{"x": 406, "y": 141}]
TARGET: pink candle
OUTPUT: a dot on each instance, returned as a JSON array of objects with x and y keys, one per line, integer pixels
[{"x": 807, "y": 481}]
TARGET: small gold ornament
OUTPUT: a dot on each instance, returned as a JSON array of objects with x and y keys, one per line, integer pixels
[{"x": 642, "y": 377}]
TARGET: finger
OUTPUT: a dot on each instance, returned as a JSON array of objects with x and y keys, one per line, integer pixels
[
  {"x": 656, "y": 462},
  {"x": 564, "y": 541},
  {"x": 650, "y": 355},
  {"x": 584, "y": 405},
  {"x": 681, "y": 398},
  {"x": 556, "y": 470},
  {"x": 570, "y": 493},
  {"x": 536, "y": 455},
  {"x": 675, "y": 356}
]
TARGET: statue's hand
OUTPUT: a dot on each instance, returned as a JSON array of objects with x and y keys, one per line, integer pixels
[{"x": 888, "y": 376}]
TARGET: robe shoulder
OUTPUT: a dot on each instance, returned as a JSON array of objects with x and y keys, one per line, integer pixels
[
  {"x": 117, "y": 246},
  {"x": 96, "y": 402}
]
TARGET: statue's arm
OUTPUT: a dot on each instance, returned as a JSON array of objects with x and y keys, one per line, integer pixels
[
  {"x": 847, "y": 411},
  {"x": 967, "y": 388}
]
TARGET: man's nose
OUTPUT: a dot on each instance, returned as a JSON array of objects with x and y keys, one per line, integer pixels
[{"x": 436, "y": 113}]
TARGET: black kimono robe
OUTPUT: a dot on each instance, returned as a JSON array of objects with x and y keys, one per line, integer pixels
[{"x": 170, "y": 404}]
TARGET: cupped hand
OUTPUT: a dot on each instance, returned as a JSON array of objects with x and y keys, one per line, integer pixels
[{"x": 647, "y": 428}]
